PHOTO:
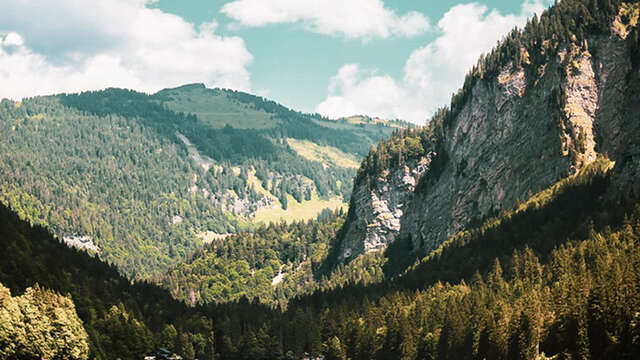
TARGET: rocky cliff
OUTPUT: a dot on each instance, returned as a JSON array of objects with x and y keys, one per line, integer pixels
[{"x": 515, "y": 132}]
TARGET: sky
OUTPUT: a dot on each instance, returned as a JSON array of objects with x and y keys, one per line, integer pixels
[{"x": 396, "y": 59}]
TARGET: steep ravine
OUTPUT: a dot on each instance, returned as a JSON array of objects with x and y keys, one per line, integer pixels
[{"x": 512, "y": 137}]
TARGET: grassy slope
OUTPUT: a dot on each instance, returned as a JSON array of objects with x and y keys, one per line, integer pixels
[
  {"x": 324, "y": 154},
  {"x": 215, "y": 108},
  {"x": 305, "y": 210}
]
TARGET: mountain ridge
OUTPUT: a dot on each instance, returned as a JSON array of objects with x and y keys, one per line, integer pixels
[
  {"x": 546, "y": 268},
  {"x": 127, "y": 182},
  {"x": 536, "y": 109}
]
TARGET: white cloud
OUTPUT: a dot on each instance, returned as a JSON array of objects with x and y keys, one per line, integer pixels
[
  {"x": 356, "y": 19},
  {"x": 432, "y": 73},
  {"x": 119, "y": 43},
  {"x": 354, "y": 91},
  {"x": 12, "y": 39}
]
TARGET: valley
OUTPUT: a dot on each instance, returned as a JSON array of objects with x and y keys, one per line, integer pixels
[{"x": 215, "y": 224}]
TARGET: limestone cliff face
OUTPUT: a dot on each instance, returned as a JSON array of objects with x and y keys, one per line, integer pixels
[
  {"x": 513, "y": 137},
  {"x": 380, "y": 209}
]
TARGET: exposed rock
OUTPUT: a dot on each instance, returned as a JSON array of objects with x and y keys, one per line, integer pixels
[
  {"x": 580, "y": 107},
  {"x": 279, "y": 277},
  {"x": 204, "y": 161},
  {"x": 208, "y": 237},
  {"x": 382, "y": 209},
  {"x": 81, "y": 242},
  {"x": 512, "y": 138}
]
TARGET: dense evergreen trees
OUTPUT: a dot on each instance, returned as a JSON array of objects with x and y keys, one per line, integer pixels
[
  {"x": 108, "y": 178},
  {"x": 40, "y": 324},
  {"x": 109, "y": 165},
  {"x": 528, "y": 282},
  {"x": 248, "y": 264},
  {"x": 120, "y": 319},
  {"x": 558, "y": 275}
]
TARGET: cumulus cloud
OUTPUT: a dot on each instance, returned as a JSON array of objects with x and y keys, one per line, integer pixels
[
  {"x": 431, "y": 73},
  {"x": 119, "y": 43},
  {"x": 356, "y": 91},
  {"x": 361, "y": 19}
]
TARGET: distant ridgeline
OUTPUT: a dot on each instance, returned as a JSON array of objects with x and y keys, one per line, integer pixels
[{"x": 149, "y": 178}]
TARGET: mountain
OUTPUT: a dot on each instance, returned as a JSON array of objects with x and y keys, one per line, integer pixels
[
  {"x": 145, "y": 180},
  {"x": 557, "y": 276},
  {"x": 549, "y": 101},
  {"x": 545, "y": 103},
  {"x": 536, "y": 253}
]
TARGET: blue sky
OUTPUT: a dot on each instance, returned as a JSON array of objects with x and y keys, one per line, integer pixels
[{"x": 393, "y": 58}]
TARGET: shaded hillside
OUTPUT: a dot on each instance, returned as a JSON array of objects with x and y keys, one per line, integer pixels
[
  {"x": 568, "y": 289},
  {"x": 107, "y": 303},
  {"x": 122, "y": 319}
]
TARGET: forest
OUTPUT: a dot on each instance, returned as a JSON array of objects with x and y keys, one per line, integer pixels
[
  {"x": 557, "y": 277},
  {"x": 533, "y": 285},
  {"x": 109, "y": 166},
  {"x": 40, "y": 323},
  {"x": 245, "y": 265}
]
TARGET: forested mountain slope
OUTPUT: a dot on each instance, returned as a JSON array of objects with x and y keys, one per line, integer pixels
[
  {"x": 539, "y": 107},
  {"x": 273, "y": 263},
  {"x": 544, "y": 104},
  {"x": 122, "y": 174},
  {"x": 122, "y": 319},
  {"x": 557, "y": 277},
  {"x": 535, "y": 252},
  {"x": 548, "y": 101}
]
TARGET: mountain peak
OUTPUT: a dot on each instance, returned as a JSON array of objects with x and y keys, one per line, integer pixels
[{"x": 185, "y": 87}]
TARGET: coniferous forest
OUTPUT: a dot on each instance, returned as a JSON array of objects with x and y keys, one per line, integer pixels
[
  {"x": 558, "y": 276},
  {"x": 555, "y": 277},
  {"x": 110, "y": 166}
]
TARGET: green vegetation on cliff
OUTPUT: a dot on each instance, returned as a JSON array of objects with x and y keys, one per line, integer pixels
[{"x": 556, "y": 276}]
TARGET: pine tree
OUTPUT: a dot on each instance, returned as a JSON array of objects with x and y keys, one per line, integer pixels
[{"x": 12, "y": 332}]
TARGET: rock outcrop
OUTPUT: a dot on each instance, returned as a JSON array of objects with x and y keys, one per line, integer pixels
[
  {"x": 512, "y": 137},
  {"x": 382, "y": 208}
]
